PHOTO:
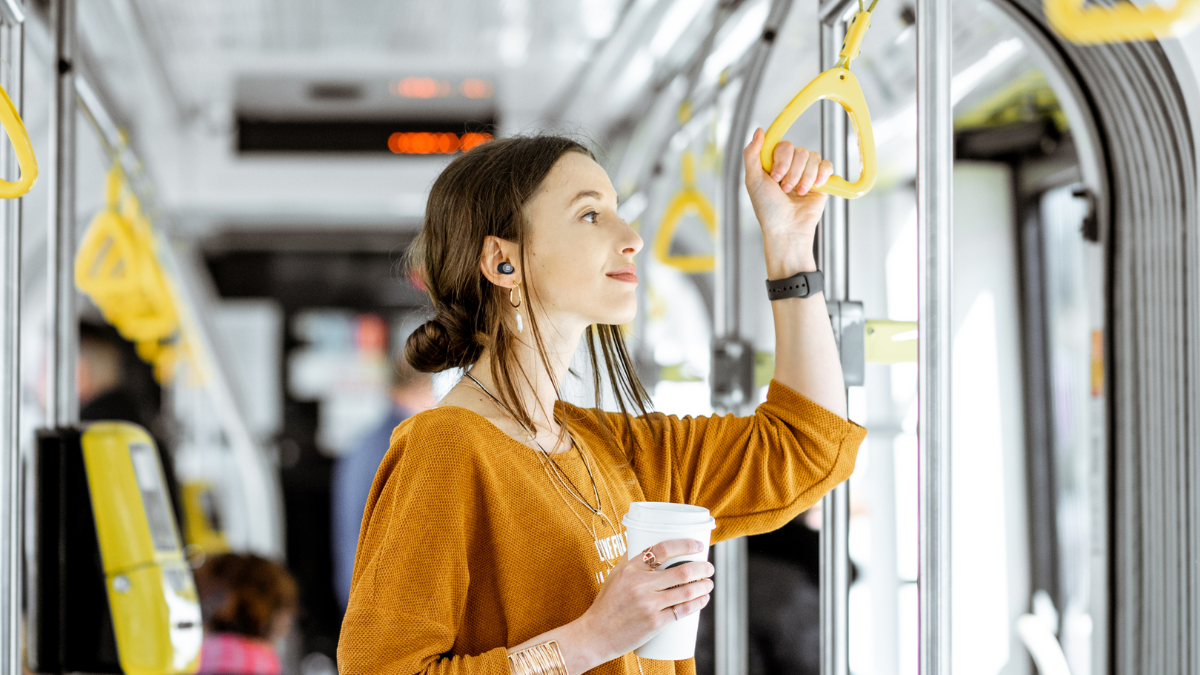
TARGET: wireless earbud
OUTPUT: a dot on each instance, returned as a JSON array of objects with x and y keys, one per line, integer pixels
[{"x": 505, "y": 268}]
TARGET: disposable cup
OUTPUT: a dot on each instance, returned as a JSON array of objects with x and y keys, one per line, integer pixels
[{"x": 649, "y": 523}]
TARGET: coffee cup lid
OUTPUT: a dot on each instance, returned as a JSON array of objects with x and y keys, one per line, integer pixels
[{"x": 658, "y": 515}]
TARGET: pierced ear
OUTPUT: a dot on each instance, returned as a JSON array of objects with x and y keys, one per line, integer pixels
[{"x": 496, "y": 251}]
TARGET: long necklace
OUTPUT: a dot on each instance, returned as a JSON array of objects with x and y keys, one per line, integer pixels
[
  {"x": 573, "y": 489},
  {"x": 561, "y": 475},
  {"x": 583, "y": 455}
]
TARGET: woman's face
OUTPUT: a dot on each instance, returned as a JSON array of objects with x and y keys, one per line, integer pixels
[{"x": 579, "y": 251}]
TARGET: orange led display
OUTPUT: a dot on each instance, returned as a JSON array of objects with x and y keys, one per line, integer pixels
[
  {"x": 430, "y": 143},
  {"x": 420, "y": 87},
  {"x": 476, "y": 88}
]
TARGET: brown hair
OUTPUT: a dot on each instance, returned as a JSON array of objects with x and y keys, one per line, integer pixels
[
  {"x": 483, "y": 192},
  {"x": 244, "y": 594}
]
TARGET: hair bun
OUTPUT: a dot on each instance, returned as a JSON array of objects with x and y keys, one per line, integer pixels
[{"x": 445, "y": 341}]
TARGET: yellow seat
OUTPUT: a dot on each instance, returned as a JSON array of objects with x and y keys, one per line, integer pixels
[
  {"x": 1123, "y": 22},
  {"x": 11, "y": 120},
  {"x": 839, "y": 85},
  {"x": 687, "y": 200}
]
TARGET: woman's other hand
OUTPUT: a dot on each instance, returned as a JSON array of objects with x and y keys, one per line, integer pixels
[
  {"x": 787, "y": 208},
  {"x": 635, "y": 603}
]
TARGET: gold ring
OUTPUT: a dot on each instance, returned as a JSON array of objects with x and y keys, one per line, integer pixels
[
  {"x": 675, "y": 613},
  {"x": 649, "y": 559}
]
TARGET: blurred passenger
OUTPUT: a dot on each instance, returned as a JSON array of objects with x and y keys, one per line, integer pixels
[
  {"x": 114, "y": 384},
  {"x": 354, "y": 472},
  {"x": 101, "y": 376},
  {"x": 248, "y": 604}
]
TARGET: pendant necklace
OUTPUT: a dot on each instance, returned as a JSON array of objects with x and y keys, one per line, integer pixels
[
  {"x": 543, "y": 456},
  {"x": 560, "y": 476}
]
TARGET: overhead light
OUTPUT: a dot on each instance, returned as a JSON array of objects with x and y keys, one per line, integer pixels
[
  {"x": 743, "y": 34},
  {"x": 971, "y": 76},
  {"x": 599, "y": 17},
  {"x": 632, "y": 207},
  {"x": 420, "y": 87},
  {"x": 637, "y": 73},
  {"x": 961, "y": 84},
  {"x": 674, "y": 22}
]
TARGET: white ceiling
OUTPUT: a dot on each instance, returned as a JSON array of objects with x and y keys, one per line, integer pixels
[{"x": 176, "y": 71}]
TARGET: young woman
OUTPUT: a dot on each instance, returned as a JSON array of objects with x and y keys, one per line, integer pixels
[{"x": 492, "y": 540}]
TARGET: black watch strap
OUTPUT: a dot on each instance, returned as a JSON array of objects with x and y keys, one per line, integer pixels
[{"x": 802, "y": 285}]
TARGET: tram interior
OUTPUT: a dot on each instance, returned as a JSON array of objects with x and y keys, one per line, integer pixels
[{"x": 282, "y": 154}]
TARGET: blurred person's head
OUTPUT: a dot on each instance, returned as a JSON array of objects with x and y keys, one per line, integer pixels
[
  {"x": 99, "y": 369},
  {"x": 246, "y": 595},
  {"x": 410, "y": 388}
]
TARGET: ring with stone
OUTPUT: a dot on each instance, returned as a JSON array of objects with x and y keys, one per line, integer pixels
[{"x": 649, "y": 559}]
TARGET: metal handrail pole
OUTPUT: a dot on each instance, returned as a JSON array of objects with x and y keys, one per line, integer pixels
[
  {"x": 12, "y": 46},
  {"x": 832, "y": 259},
  {"x": 732, "y": 611},
  {"x": 935, "y": 180},
  {"x": 62, "y": 400}
]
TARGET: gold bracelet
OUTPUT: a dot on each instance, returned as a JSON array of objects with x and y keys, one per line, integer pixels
[{"x": 543, "y": 659}]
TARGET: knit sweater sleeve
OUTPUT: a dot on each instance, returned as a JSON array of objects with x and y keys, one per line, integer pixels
[
  {"x": 411, "y": 573},
  {"x": 753, "y": 473}
]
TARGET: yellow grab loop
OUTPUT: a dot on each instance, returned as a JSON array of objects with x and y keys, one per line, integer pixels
[
  {"x": 117, "y": 267},
  {"x": 687, "y": 200},
  {"x": 839, "y": 85},
  {"x": 21, "y": 146},
  {"x": 1123, "y": 22}
]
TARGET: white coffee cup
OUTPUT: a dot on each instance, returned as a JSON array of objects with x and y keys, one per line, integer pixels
[{"x": 649, "y": 523}]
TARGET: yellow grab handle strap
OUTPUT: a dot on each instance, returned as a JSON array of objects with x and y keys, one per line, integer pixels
[
  {"x": 104, "y": 263},
  {"x": 687, "y": 199},
  {"x": 21, "y": 146},
  {"x": 687, "y": 169},
  {"x": 840, "y": 86},
  {"x": 1123, "y": 22},
  {"x": 113, "y": 183},
  {"x": 854, "y": 38}
]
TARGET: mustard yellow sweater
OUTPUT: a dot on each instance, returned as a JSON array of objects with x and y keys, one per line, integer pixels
[{"x": 467, "y": 549}]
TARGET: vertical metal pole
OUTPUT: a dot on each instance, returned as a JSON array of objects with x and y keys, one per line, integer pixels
[
  {"x": 62, "y": 401},
  {"x": 732, "y": 619},
  {"x": 12, "y": 46},
  {"x": 832, "y": 258},
  {"x": 935, "y": 180}
]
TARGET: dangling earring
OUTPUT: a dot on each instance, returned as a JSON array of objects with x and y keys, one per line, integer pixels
[{"x": 516, "y": 305}]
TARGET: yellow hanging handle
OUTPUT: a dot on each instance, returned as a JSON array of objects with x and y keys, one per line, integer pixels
[
  {"x": 21, "y": 146},
  {"x": 1123, "y": 22},
  {"x": 117, "y": 266},
  {"x": 687, "y": 200},
  {"x": 839, "y": 85}
]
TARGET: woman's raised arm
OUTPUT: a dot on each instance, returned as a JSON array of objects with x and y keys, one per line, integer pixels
[{"x": 806, "y": 356}]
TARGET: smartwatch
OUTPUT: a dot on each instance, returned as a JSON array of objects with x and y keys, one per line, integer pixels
[{"x": 801, "y": 285}]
